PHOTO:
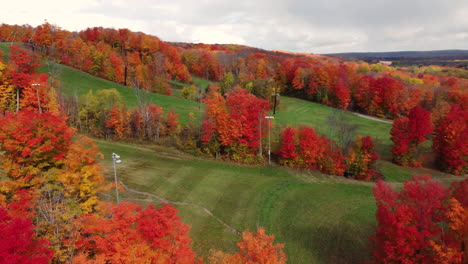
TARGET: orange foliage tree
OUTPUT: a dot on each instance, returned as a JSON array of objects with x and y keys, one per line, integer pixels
[
  {"x": 254, "y": 248},
  {"x": 127, "y": 233}
]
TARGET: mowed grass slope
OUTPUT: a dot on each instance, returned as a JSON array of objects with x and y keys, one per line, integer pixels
[
  {"x": 297, "y": 112},
  {"x": 319, "y": 221},
  {"x": 76, "y": 83}
]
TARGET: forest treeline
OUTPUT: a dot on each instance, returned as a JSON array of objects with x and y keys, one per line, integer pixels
[{"x": 247, "y": 82}]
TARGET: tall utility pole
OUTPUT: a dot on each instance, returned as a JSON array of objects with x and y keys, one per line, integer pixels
[
  {"x": 269, "y": 138},
  {"x": 38, "y": 97},
  {"x": 116, "y": 159},
  {"x": 260, "y": 153}
]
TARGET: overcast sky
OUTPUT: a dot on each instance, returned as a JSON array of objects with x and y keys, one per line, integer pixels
[{"x": 324, "y": 26}]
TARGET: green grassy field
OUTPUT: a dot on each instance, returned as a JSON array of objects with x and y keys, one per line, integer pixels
[
  {"x": 320, "y": 220},
  {"x": 77, "y": 82},
  {"x": 293, "y": 111}
]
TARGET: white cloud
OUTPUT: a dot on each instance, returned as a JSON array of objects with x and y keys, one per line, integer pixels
[
  {"x": 294, "y": 25},
  {"x": 213, "y": 35}
]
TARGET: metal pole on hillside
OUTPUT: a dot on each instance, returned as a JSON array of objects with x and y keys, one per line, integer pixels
[
  {"x": 269, "y": 138},
  {"x": 115, "y": 160},
  {"x": 260, "y": 134},
  {"x": 38, "y": 97}
]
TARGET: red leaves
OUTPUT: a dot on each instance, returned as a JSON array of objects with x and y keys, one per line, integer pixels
[
  {"x": 18, "y": 242},
  {"x": 450, "y": 143},
  {"x": 360, "y": 162},
  {"x": 419, "y": 126},
  {"x": 134, "y": 235},
  {"x": 407, "y": 134},
  {"x": 310, "y": 151},
  {"x": 342, "y": 94},
  {"x": 413, "y": 223},
  {"x": 248, "y": 111},
  {"x": 23, "y": 60},
  {"x": 288, "y": 150},
  {"x": 118, "y": 122},
  {"x": 30, "y": 139},
  {"x": 236, "y": 120}
]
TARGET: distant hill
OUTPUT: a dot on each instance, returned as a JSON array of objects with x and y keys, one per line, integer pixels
[{"x": 458, "y": 58}]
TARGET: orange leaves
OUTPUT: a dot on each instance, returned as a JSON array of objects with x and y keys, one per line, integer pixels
[
  {"x": 254, "y": 248},
  {"x": 311, "y": 151},
  {"x": 118, "y": 122},
  {"x": 234, "y": 124},
  {"x": 361, "y": 160},
  {"x": 131, "y": 234},
  {"x": 258, "y": 248},
  {"x": 81, "y": 175},
  {"x": 23, "y": 60},
  {"x": 32, "y": 143},
  {"x": 7, "y": 89}
]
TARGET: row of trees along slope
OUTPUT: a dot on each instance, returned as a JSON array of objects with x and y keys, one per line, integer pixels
[
  {"x": 374, "y": 89},
  {"x": 138, "y": 59}
]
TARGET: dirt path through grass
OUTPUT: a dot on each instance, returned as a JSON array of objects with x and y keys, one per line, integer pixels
[
  {"x": 166, "y": 201},
  {"x": 373, "y": 118}
]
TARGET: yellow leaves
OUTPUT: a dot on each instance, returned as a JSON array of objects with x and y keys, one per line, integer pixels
[
  {"x": 53, "y": 105},
  {"x": 81, "y": 175},
  {"x": 7, "y": 91}
]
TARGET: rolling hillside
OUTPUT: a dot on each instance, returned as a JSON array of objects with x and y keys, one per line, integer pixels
[{"x": 321, "y": 219}]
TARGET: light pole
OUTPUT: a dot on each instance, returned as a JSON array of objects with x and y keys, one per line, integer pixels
[
  {"x": 260, "y": 134},
  {"x": 269, "y": 136},
  {"x": 116, "y": 159},
  {"x": 37, "y": 94}
]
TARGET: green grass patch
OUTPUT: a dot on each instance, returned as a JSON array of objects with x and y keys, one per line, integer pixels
[
  {"x": 293, "y": 111},
  {"x": 395, "y": 173},
  {"x": 310, "y": 217},
  {"x": 5, "y": 48},
  {"x": 75, "y": 82}
]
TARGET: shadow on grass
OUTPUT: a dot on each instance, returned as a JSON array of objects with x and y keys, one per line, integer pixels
[{"x": 335, "y": 244}]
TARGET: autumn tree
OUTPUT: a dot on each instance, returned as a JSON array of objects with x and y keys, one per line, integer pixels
[
  {"x": 254, "y": 248},
  {"x": 408, "y": 133},
  {"x": 18, "y": 242},
  {"x": 413, "y": 224},
  {"x": 311, "y": 151},
  {"x": 234, "y": 123},
  {"x": 127, "y": 233},
  {"x": 288, "y": 151},
  {"x": 361, "y": 160},
  {"x": 7, "y": 90},
  {"x": 117, "y": 122},
  {"x": 449, "y": 144},
  {"x": 23, "y": 65},
  {"x": 32, "y": 143}
]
